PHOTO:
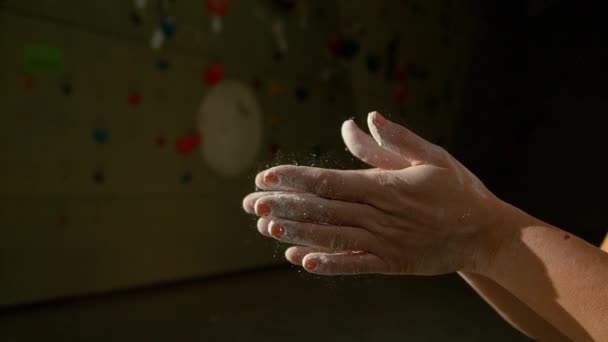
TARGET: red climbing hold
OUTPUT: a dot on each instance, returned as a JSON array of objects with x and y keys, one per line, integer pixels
[
  {"x": 187, "y": 143},
  {"x": 218, "y": 7},
  {"x": 213, "y": 74},
  {"x": 134, "y": 99}
]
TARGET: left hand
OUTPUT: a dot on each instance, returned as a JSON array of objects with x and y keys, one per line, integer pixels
[{"x": 419, "y": 211}]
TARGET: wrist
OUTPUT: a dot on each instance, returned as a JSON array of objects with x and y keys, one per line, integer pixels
[{"x": 499, "y": 236}]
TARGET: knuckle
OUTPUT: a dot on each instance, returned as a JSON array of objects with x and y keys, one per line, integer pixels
[
  {"x": 373, "y": 221},
  {"x": 439, "y": 150},
  {"x": 441, "y": 155},
  {"x": 323, "y": 184},
  {"x": 383, "y": 177}
]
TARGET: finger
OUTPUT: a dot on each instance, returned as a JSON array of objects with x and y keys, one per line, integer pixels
[
  {"x": 364, "y": 147},
  {"x": 250, "y": 200},
  {"x": 258, "y": 179},
  {"x": 310, "y": 208},
  {"x": 346, "y": 263},
  {"x": 263, "y": 226},
  {"x": 295, "y": 254},
  {"x": 343, "y": 185},
  {"x": 402, "y": 141},
  {"x": 317, "y": 235}
]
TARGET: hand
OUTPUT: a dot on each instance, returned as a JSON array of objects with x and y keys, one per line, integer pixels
[{"x": 419, "y": 211}]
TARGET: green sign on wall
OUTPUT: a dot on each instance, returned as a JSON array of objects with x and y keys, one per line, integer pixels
[{"x": 43, "y": 60}]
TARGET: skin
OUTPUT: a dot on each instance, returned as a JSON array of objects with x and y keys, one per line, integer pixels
[{"x": 419, "y": 211}]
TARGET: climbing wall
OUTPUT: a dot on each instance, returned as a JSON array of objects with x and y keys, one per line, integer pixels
[
  {"x": 412, "y": 61},
  {"x": 133, "y": 129}
]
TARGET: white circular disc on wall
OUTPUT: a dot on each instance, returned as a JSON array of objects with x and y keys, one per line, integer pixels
[{"x": 230, "y": 123}]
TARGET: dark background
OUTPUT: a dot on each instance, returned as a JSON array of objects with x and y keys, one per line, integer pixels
[{"x": 534, "y": 126}]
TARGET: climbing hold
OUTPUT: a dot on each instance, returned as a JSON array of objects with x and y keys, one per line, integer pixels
[
  {"x": 99, "y": 177},
  {"x": 162, "y": 64},
  {"x": 301, "y": 93},
  {"x": 213, "y": 74},
  {"x": 187, "y": 143},
  {"x": 100, "y": 135},
  {"x": 134, "y": 99},
  {"x": 66, "y": 88},
  {"x": 373, "y": 63}
]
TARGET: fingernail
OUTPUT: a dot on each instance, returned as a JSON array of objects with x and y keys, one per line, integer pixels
[
  {"x": 262, "y": 209},
  {"x": 379, "y": 120},
  {"x": 310, "y": 264},
  {"x": 270, "y": 178},
  {"x": 276, "y": 229}
]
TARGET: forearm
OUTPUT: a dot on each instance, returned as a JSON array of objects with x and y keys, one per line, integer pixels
[
  {"x": 512, "y": 309},
  {"x": 604, "y": 245},
  {"x": 559, "y": 276}
]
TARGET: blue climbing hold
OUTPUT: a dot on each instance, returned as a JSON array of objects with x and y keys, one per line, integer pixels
[
  {"x": 167, "y": 26},
  {"x": 100, "y": 135}
]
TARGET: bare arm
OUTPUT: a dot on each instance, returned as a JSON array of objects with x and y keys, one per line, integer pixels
[
  {"x": 512, "y": 310},
  {"x": 559, "y": 276}
]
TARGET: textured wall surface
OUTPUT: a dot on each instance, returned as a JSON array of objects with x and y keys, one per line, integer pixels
[
  {"x": 105, "y": 185},
  {"x": 103, "y": 181},
  {"x": 422, "y": 52}
]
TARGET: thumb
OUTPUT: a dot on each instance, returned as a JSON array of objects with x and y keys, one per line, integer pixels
[
  {"x": 363, "y": 146},
  {"x": 402, "y": 141}
]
